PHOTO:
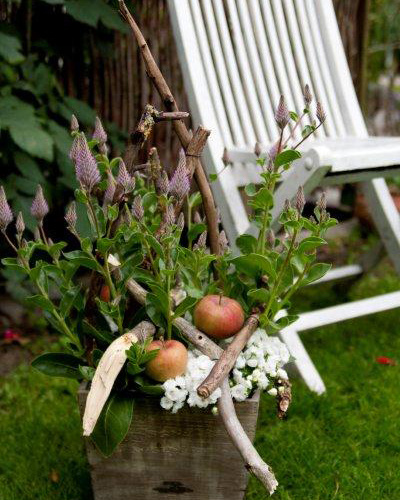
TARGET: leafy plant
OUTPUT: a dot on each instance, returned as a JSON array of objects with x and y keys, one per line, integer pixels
[{"x": 139, "y": 229}]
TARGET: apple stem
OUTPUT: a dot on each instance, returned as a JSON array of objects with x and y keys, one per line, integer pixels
[{"x": 220, "y": 299}]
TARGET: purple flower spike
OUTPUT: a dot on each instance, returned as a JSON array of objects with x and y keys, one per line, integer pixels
[
  {"x": 180, "y": 183},
  {"x": 86, "y": 169},
  {"x": 71, "y": 216},
  {"x": 6, "y": 215},
  {"x": 307, "y": 96},
  {"x": 162, "y": 184},
  {"x": 300, "y": 200},
  {"x": 201, "y": 242},
  {"x": 39, "y": 207},
  {"x": 124, "y": 179},
  {"x": 137, "y": 208},
  {"x": 282, "y": 113},
  {"x": 169, "y": 215},
  {"x": 321, "y": 115},
  {"x": 223, "y": 242},
  {"x": 20, "y": 224},
  {"x": 109, "y": 192},
  {"x": 74, "y": 124},
  {"x": 99, "y": 133}
]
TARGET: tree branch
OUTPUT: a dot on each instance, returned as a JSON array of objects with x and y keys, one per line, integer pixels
[
  {"x": 228, "y": 358},
  {"x": 254, "y": 463},
  {"x": 180, "y": 128}
]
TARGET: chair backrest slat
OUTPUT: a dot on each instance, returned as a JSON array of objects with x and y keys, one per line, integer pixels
[
  {"x": 228, "y": 121},
  {"x": 266, "y": 101},
  {"x": 315, "y": 30},
  {"x": 231, "y": 68}
]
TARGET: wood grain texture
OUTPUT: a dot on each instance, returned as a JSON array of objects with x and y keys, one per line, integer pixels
[{"x": 167, "y": 456}]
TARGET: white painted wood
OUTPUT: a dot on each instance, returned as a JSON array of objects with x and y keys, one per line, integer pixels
[
  {"x": 238, "y": 56},
  {"x": 349, "y": 310},
  {"x": 302, "y": 361}
]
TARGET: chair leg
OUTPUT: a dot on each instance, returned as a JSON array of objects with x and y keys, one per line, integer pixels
[
  {"x": 386, "y": 217},
  {"x": 303, "y": 363}
]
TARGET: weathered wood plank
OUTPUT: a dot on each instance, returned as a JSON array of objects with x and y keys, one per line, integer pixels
[{"x": 186, "y": 455}]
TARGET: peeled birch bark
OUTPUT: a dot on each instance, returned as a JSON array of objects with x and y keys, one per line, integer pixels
[{"x": 107, "y": 371}]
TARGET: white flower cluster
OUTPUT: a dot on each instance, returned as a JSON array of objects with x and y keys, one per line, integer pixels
[
  {"x": 184, "y": 388},
  {"x": 261, "y": 361}
]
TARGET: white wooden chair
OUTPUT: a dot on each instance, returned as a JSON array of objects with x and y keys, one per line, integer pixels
[{"x": 237, "y": 57}]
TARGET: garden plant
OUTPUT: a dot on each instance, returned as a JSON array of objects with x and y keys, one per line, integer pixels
[{"x": 172, "y": 310}]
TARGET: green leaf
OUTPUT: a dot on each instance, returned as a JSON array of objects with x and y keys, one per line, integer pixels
[
  {"x": 12, "y": 263},
  {"x": 13, "y": 111},
  {"x": 195, "y": 199},
  {"x": 62, "y": 139},
  {"x": 311, "y": 243},
  {"x": 316, "y": 272},
  {"x": 260, "y": 295},
  {"x": 250, "y": 189},
  {"x": 83, "y": 112},
  {"x": 286, "y": 157},
  {"x": 294, "y": 116},
  {"x": 246, "y": 243},
  {"x": 58, "y": 364},
  {"x": 69, "y": 298},
  {"x": 184, "y": 306},
  {"x": 100, "y": 335},
  {"x": 196, "y": 230},
  {"x": 254, "y": 264},
  {"x": 28, "y": 167},
  {"x": 114, "y": 423},
  {"x": 150, "y": 389},
  {"x": 33, "y": 139},
  {"x": 77, "y": 257},
  {"x": 10, "y": 48},
  {"x": 87, "y": 372},
  {"x": 84, "y": 11},
  {"x": 213, "y": 177},
  {"x": 40, "y": 301}
]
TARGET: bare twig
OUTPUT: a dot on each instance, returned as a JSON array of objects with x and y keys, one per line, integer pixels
[
  {"x": 180, "y": 128},
  {"x": 228, "y": 358},
  {"x": 254, "y": 463}
]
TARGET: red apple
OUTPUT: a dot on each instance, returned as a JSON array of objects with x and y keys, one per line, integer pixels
[
  {"x": 170, "y": 362},
  {"x": 218, "y": 316}
]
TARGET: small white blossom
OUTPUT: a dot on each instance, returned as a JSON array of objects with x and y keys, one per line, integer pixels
[{"x": 273, "y": 392}]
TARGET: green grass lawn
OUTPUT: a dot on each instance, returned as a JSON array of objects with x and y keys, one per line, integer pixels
[{"x": 343, "y": 445}]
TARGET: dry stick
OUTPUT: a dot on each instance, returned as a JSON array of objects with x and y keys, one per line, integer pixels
[
  {"x": 228, "y": 358},
  {"x": 254, "y": 463},
  {"x": 180, "y": 128}
]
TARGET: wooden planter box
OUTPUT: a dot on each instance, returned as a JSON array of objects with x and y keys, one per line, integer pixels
[{"x": 172, "y": 456}]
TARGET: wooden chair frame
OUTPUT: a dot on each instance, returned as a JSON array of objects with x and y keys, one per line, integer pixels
[{"x": 237, "y": 57}]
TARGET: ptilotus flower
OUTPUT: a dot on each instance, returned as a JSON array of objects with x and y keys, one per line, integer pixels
[
  {"x": 99, "y": 133},
  {"x": 273, "y": 151},
  {"x": 270, "y": 237},
  {"x": 180, "y": 183},
  {"x": 307, "y": 96},
  {"x": 286, "y": 206},
  {"x": 20, "y": 224},
  {"x": 321, "y": 204},
  {"x": 300, "y": 200},
  {"x": 71, "y": 216},
  {"x": 201, "y": 242},
  {"x": 124, "y": 179},
  {"x": 169, "y": 215},
  {"x": 6, "y": 215},
  {"x": 197, "y": 218},
  {"x": 137, "y": 208},
  {"x": 109, "y": 192},
  {"x": 321, "y": 115},
  {"x": 223, "y": 242},
  {"x": 282, "y": 113},
  {"x": 181, "y": 221},
  {"x": 257, "y": 149},
  {"x": 162, "y": 184},
  {"x": 39, "y": 207},
  {"x": 74, "y": 124},
  {"x": 86, "y": 169},
  {"x": 75, "y": 147}
]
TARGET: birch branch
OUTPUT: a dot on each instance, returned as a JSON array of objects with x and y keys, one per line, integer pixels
[
  {"x": 107, "y": 371},
  {"x": 180, "y": 128},
  {"x": 228, "y": 358},
  {"x": 254, "y": 463},
  {"x": 252, "y": 459}
]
